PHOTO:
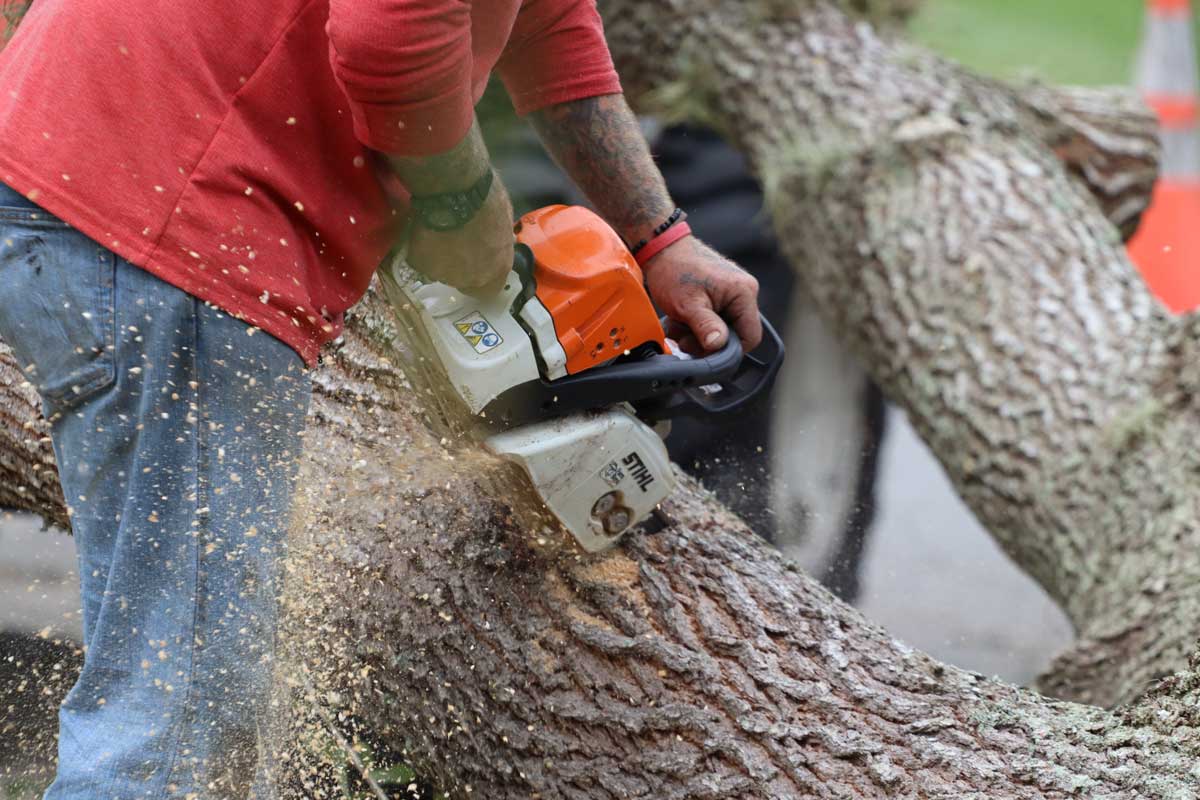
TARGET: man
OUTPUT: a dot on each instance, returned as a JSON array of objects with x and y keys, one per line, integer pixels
[{"x": 193, "y": 198}]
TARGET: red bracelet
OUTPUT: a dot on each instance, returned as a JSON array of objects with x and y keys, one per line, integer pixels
[{"x": 661, "y": 242}]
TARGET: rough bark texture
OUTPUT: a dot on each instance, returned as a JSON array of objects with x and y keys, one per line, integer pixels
[
  {"x": 692, "y": 663},
  {"x": 930, "y": 212},
  {"x": 981, "y": 284},
  {"x": 28, "y": 476}
]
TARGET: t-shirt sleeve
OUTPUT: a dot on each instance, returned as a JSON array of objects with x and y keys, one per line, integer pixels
[
  {"x": 556, "y": 54},
  {"x": 409, "y": 94}
]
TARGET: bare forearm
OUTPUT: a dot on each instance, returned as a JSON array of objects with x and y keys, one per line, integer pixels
[
  {"x": 598, "y": 143},
  {"x": 455, "y": 170},
  {"x": 476, "y": 254}
]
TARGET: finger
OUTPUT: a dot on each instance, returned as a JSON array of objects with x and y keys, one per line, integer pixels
[
  {"x": 681, "y": 335},
  {"x": 707, "y": 326},
  {"x": 742, "y": 311},
  {"x": 677, "y": 330}
]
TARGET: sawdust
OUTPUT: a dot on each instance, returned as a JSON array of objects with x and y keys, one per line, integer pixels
[
  {"x": 36, "y": 672},
  {"x": 615, "y": 569},
  {"x": 618, "y": 570},
  {"x": 381, "y": 477},
  {"x": 545, "y": 660}
]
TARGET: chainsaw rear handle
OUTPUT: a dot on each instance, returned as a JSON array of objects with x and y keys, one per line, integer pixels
[{"x": 660, "y": 387}]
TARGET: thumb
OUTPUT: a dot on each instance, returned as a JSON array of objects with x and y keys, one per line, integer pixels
[{"x": 708, "y": 328}]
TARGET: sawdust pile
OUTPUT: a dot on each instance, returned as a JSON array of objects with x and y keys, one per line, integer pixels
[
  {"x": 387, "y": 467},
  {"x": 36, "y": 672}
]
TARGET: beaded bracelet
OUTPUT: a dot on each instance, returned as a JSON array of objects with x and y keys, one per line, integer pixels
[
  {"x": 662, "y": 242},
  {"x": 677, "y": 215}
]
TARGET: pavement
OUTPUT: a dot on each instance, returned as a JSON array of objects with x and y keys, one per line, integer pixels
[
  {"x": 934, "y": 578},
  {"x": 39, "y": 629},
  {"x": 39, "y": 587}
]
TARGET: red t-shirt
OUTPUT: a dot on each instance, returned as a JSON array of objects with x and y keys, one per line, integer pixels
[{"x": 230, "y": 148}]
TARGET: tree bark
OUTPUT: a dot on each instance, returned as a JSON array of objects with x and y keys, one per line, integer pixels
[
  {"x": 28, "y": 475},
  {"x": 690, "y": 663},
  {"x": 931, "y": 214},
  {"x": 980, "y": 282}
]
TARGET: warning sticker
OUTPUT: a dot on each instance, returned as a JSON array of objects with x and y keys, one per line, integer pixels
[{"x": 479, "y": 333}]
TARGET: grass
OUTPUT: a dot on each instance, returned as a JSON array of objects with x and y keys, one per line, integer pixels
[{"x": 1087, "y": 42}]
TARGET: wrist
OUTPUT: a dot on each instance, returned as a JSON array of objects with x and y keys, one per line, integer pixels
[
  {"x": 666, "y": 233},
  {"x": 449, "y": 211},
  {"x": 672, "y": 238},
  {"x": 642, "y": 224}
]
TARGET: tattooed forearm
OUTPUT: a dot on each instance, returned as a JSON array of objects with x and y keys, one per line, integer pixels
[
  {"x": 454, "y": 170},
  {"x": 598, "y": 143}
]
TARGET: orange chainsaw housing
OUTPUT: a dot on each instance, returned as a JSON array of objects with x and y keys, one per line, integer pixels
[{"x": 591, "y": 285}]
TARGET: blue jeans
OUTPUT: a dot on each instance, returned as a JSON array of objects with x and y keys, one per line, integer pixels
[{"x": 177, "y": 431}]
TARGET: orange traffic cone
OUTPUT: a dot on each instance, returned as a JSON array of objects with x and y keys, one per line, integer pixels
[{"x": 1167, "y": 245}]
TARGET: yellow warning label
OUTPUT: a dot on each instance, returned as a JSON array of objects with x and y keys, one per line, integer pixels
[{"x": 477, "y": 331}]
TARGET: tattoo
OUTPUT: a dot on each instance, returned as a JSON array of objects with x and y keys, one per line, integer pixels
[
  {"x": 457, "y": 169},
  {"x": 598, "y": 143},
  {"x": 692, "y": 279}
]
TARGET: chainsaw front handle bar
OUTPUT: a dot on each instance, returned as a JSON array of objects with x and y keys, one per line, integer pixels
[
  {"x": 721, "y": 383},
  {"x": 659, "y": 387}
]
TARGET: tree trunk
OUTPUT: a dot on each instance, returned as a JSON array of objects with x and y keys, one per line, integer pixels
[
  {"x": 690, "y": 663},
  {"x": 930, "y": 212},
  {"x": 28, "y": 475},
  {"x": 980, "y": 283}
]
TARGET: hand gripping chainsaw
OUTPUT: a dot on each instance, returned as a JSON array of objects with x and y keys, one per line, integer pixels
[{"x": 570, "y": 374}]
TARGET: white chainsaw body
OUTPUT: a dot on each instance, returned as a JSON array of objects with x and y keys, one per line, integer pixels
[
  {"x": 482, "y": 347},
  {"x": 599, "y": 472}
]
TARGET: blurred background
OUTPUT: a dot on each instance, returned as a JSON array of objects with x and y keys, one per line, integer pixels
[
  {"x": 1086, "y": 42},
  {"x": 921, "y": 566}
]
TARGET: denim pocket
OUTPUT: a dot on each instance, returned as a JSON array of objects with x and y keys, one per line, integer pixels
[{"x": 56, "y": 305}]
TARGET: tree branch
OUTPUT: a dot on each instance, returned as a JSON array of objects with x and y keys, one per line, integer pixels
[{"x": 691, "y": 663}]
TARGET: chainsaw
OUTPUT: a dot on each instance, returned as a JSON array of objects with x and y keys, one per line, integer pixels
[{"x": 570, "y": 375}]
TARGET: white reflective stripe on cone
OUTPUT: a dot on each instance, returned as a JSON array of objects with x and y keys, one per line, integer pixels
[
  {"x": 1166, "y": 62},
  {"x": 1181, "y": 154}
]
